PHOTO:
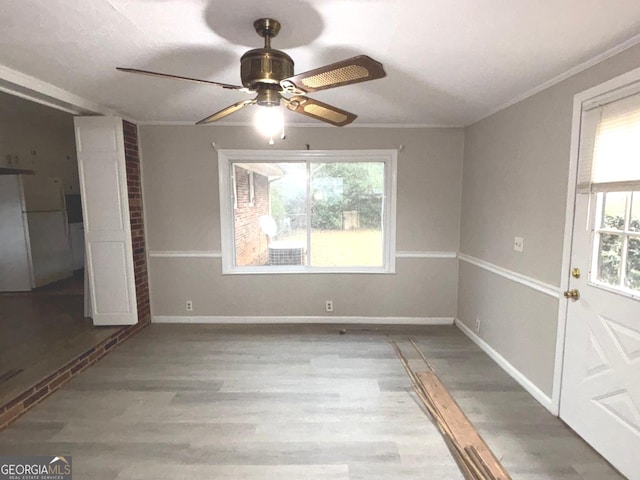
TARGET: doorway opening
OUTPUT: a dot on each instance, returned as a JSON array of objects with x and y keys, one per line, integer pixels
[{"x": 44, "y": 322}]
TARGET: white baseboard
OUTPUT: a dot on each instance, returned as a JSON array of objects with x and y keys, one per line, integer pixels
[
  {"x": 303, "y": 319},
  {"x": 524, "y": 382}
]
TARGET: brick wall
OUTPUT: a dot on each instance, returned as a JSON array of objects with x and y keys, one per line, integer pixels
[
  {"x": 251, "y": 242},
  {"x": 17, "y": 406},
  {"x": 132, "y": 158}
]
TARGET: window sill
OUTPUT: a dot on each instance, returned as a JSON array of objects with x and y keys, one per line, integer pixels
[{"x": 293, "y": 269}]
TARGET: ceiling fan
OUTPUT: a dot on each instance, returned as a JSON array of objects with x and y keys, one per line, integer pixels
[{"x": 269, "y": 73}]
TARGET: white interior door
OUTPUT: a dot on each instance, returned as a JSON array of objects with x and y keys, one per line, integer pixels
[
  {"x": 105, "y": 206},
  {"x": 600, "y": 395}
]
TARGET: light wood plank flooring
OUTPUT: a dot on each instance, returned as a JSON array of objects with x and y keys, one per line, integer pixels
[{"x": 289, "y": 402}]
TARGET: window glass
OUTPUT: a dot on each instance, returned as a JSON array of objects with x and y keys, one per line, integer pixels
[
  {"x": 277, "y": 212},
  {"x": 346, "y": 213},
  {"x": 632, "y": 280},
  {"x": 617, "y": 254},
  {"x": 609, "y": 258},
  {"x": 634, "y": 225},
  {"x": 615, "y": 204}
]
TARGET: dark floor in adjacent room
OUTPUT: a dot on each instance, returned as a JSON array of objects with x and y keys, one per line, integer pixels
[{"x": 42, "y": 330}]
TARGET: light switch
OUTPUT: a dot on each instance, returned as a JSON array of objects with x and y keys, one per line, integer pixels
[{"x": 518, "y": 244}]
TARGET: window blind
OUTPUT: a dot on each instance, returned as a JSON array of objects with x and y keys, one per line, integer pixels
[{"x": 609, "y": 153}]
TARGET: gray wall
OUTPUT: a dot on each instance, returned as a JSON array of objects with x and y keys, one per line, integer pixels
[
  {"x": 182, "y": 215},
  {"x": 515, "y": 178},
  {"x": 515, "y": 166}
]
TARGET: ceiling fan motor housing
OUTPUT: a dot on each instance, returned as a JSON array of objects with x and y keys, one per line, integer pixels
[{"x": 264, "y": 66}]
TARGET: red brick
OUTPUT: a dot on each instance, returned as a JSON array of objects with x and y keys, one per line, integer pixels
[
  {"x": 59, "y": 381},
  {"x": 35, "y": 397},
  {"x": 79, "y": 366},
  {"x": 11, "y": 414},
  {"x": 19, "y": 398},
  {"x": 47, "y": 380}
]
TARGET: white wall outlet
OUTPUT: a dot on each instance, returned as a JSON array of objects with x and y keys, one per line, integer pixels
[
  {"x": 189, "y": 306},
  {"x": 328, "y": 306},
  {"x": 518, "y": 244},
  {"x": 477, "y": 324}
]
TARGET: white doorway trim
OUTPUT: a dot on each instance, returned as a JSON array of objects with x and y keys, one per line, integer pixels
[
  {"x": 30, "y": 88},
  {"x": 613, "y": 84}
]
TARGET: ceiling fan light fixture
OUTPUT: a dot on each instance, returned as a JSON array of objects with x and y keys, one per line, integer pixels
[{"x": 269, "y": 121}]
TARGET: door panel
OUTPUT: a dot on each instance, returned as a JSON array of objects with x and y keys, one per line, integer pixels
[
  {"x": 600, "y": 397},
  {"x": 111, "y": 295},
  {"x": 104, "y": 212},
  {"x": 103, "y": 185}
]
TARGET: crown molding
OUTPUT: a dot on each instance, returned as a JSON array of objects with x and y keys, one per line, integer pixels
[{"x": 632, "y": 42}]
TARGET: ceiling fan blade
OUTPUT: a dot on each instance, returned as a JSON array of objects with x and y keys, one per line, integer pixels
[
  {"x": 352, "y": 70},
  {"x": 178, "y": 77},
  {"x": 226, "y": 111},
  {"x": 320, "y": 111}
]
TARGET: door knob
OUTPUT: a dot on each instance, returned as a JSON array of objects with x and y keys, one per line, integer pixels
[{"x": 572, "y": 294}]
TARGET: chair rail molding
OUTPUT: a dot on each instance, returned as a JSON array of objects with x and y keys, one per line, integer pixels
[{"x": 525, "y": 280}]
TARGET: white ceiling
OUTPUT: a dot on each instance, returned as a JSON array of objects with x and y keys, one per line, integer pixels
[{"x": 447, "y": 62}]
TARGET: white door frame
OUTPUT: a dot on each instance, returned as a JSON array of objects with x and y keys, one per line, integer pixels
[{"x": 613, "y": 84}]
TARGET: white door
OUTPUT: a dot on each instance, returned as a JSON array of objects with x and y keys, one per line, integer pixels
[
  {"x": 600, "y": 396},
  {"x": 105, "y": 206}
]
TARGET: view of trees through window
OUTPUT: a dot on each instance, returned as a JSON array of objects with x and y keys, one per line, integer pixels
[
  {"x": 324, "y": 214},
  {"x": 337, "y": 206},
  {"x": 618, "y": 240}
]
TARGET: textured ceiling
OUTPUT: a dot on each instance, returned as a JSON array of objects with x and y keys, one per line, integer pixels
[{"x": 447, "y": 63}]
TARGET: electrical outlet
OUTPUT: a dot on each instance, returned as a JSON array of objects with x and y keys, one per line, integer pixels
[
  {"x": 518, "y": 244},
  {"x": 189, "y": 306},
  {"x": 477, "y": 324},
  {"x": 328, "y": 305}
]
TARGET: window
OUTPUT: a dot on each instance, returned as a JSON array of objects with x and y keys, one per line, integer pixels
[
  {"x": 617, "y": 241},
  {"x": 609, "y": 169},
  {"x": 307, "y": 211}
]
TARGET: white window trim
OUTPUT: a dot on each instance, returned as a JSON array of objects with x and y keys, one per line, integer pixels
[
  {"x": 252, "y": 189},
  {"x": 227, "y": 157},
  {"x": 235, "y": 190},
  {"x": 626, "y": 234}
]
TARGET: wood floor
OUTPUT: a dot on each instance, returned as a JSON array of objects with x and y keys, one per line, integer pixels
[
  {"x": 40, "y": 331},
  {"x": 289, "y": 402}
]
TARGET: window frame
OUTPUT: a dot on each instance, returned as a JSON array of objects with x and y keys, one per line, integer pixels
[
  {"x": 227, "y": 157},
  {"x": 597, "y": 231}
]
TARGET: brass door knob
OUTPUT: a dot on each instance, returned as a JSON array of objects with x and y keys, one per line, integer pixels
[{"x": 572, "y": 294}]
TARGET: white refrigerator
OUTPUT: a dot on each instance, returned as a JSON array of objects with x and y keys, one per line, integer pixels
[{"x": 35, "y": 247}]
